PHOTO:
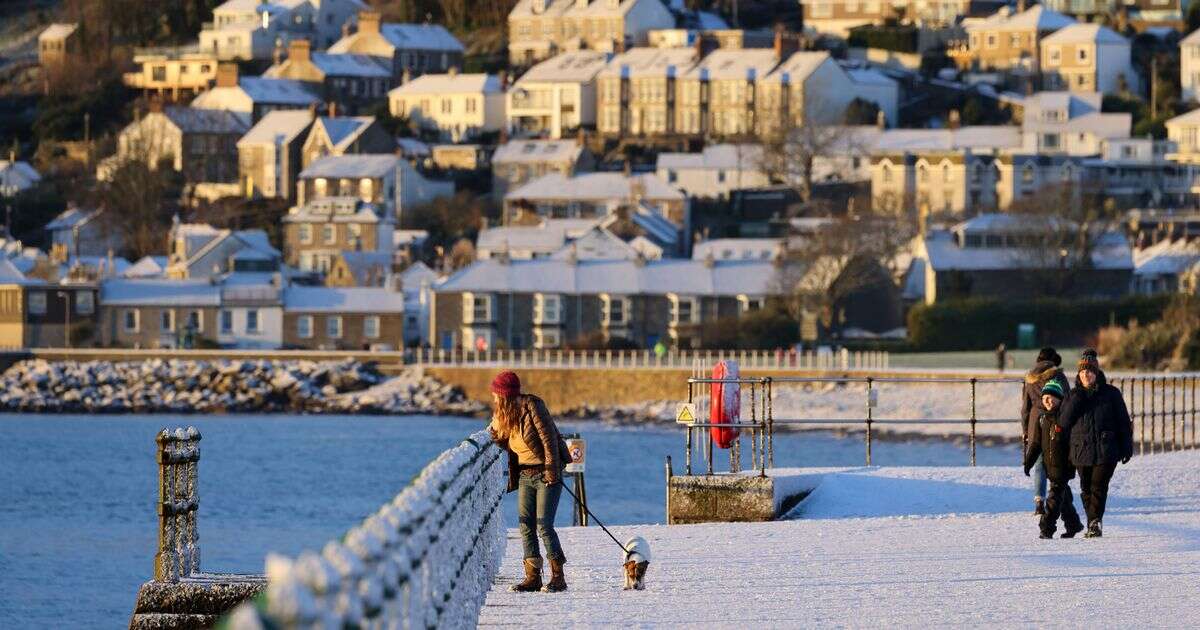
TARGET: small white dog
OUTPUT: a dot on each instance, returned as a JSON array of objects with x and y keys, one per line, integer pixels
[{"x": 637, "y": 560}]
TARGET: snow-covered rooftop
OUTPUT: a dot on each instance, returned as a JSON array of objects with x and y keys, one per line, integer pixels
[
  {"x": 594, "y": 9},
  {"x": 621, "y": 277},
  {"x": 1166, "y": 258},
  {"x": 535, "y": 151},
  {"x": 650, "y": 62},
  {"x": 370, "y": 300},
  {"x": 595, "y": 186},
  {"x": 159, "y": 292},
  {"x": 362, "y": 165},
  {"x": 456, "y": 83},
  {"x": 1085, "y": 33},
  {"x": 350, "y": 65},
  {"x": 284, "y": 125},
  {"x": 193, "y": 120},
  {"x": 714, "y": 157},
  {"x": 577, "y": 66}
]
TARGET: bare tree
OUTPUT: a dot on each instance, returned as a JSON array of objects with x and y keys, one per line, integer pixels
[
  {"x": 140, "y": 191},
  {"x": 798, "y": 152}
]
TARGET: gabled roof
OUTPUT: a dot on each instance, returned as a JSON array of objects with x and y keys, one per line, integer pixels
[
  {"x": 650, "y": 62},
  {"x": 342, "y": 131},
  {"x": 1188, "y": 118},
  {"x": 715, "y": 157},
  {"x": 364, "y": 165},
  {"x": 595, "y": 186},
  {"x": 572, "y": 8},
  {"x": 617, "y": 277},
  {"x": 1037, "y": 17},
  {"x": 18, "y": 169},
  {"x": 749, "y": 64},
  {"x": 1167, "y": 257},
  {"x": 577, "y": 66},
  {"x": 71, "y": 218},
  {"x": 798, "y": 67},
  {"x": 277, "y": 91},
  {"x": 147, "y": 267},
  {"x": 9, "y": 274},
  {"x": 191, "y": 120},
  {"x": 419, "y": 36},
  {"x": 285, "y": 125},
  {"x": 449, "y": 83},
  {"x": 541, "y": 239},
  {"x": 373, "y": 300},
  {"x": 349, "y": 65},
  {"x": 58, "y": 31},
  {"x": 596, "y": 244}
]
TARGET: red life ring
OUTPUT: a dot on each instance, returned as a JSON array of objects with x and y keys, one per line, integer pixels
[{"x": 725, "y": 403}]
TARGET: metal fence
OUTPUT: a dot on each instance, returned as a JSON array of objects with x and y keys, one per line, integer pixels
[
  {"x": 1163, "y": 410},
  {"x": 178, "y": 554},
  {"x": 820, "y": 359},
  {"x": 425, "y": 560}
]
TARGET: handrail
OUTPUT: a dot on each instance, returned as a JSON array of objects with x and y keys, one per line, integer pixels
[{"x": 425, "y": 560}]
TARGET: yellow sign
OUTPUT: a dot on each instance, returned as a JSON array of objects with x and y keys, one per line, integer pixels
[
  {"x": 578, "y": 449},
  {"x": 686, "y": 413}
]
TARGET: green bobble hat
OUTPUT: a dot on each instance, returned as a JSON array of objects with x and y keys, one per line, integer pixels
[{"x": 1053, "y": 388}]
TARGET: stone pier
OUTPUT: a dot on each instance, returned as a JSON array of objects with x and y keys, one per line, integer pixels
[{"x": 733, "y": 497}]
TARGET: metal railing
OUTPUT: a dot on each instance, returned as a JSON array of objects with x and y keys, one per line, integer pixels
[
  {"x": 1154, "y": 402},
  {"x": 425, "y": 560},
  {"x": 178, "y": 554},
  {"x": 841, "y": 359},
  {"x": 1163, "y": 410}
]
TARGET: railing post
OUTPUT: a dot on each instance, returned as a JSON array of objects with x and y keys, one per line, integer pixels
[
  {"x": 1174, "y": 412},
  {"x": 870, "y": 416},
  {"x": 973, "y": 421},
  {"x": 1142, "y": 418},
  {"x": 178, "y": 457}
]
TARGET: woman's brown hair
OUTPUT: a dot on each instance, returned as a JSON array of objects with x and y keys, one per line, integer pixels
[{"x": 507, "y": 414}]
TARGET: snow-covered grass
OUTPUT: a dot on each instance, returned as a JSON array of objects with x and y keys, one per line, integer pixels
[{"x": 909, "y": 547}]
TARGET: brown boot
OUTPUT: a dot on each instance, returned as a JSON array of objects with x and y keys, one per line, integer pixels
[
  {"x": 558, "y": 582},
  {"x": 533, "y": 577}
]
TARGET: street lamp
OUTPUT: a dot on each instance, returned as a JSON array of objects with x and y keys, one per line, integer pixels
[{"x": 66, "y": 296}]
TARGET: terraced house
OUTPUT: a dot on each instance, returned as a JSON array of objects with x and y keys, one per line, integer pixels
[
  {"x": 402, "y": 48},
  {"x": 1087, "y": 58},
  {"x": 351, "y": 81},
  {"x": 1008, "y": 41},
  {"x": 549, "y": 303},
  {"x": 540, "y": 29}
]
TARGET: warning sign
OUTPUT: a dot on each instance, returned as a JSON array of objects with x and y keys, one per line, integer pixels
[
  {"x": 578, "y": 449},
  {"x": 686, "y": 413}
]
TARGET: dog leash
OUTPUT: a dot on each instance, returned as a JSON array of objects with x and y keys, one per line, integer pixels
[{"x": 585, "y": 507}]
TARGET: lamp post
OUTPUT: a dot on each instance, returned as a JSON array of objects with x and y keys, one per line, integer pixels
[{"x": 66, "y": 296}]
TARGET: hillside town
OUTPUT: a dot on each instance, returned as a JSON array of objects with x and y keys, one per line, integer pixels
[{"x": 586, "y": 174}]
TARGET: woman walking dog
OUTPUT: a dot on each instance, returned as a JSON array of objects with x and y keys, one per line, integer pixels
[{"x": 521, "y": 425}]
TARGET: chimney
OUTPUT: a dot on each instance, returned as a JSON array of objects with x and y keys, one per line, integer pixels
[
  {"x": 227, "y": 75},
  {"x": 299, "y": 50},
  {"x": 1022, "y": 5},
  {"x": 332, "y": 108},
  {"x": 368, "y": 22},
  {"x": 881, "y": 119},
  {"x": 955, "y": 120},
  {"x": 539, "y": 6},
  {"x": 406, "y": 76},
  {"x": 709, "y": 260}
]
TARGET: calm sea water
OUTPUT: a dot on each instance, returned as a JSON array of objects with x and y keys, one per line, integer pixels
[{"x": 77, "y": 493}]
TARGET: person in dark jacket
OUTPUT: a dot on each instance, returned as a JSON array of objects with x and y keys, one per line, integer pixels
[
  {"x": 537, "y": 454},
  {"x": 1045, "y": 369},
  {"x": 1101, "y": 435},
  {"x": 1048, "y": 448}
]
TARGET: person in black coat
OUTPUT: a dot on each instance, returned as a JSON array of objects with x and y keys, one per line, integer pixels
[
  {"x": 1047, "y": 447},
  {"x": 1101, "y": 435}
]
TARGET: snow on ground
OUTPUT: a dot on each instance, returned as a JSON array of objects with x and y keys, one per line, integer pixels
[{"x": 897, "y": 547}]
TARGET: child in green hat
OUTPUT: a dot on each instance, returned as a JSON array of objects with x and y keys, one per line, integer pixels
[{"x": 1051, "y": 442}]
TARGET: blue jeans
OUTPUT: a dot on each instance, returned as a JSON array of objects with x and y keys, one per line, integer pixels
[
  {"x": 1039, "y": 479},
  {"x": 536, "y": 505}
]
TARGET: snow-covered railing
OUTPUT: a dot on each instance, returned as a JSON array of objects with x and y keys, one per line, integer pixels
[
  {"x": 424, "y": 560},
  {"x": 178, "y": 554}
]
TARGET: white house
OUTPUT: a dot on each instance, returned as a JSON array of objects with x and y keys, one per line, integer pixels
[
  {"x": 17, "y": 176},
  {"x": 1184, "y": 130},
  {"x": 269, "y": 154},
  {"x": 393, "y": 181},
  {"x": 715, "y": 171},
  {"x": 556, "y": 95},
  {"x": 460, "y": 106},
  {"x": 1087, "y": 58},
  {"x": 78, "y": 232},
  {"x": 256, "y": 96},
  {"x": 199, "y": 250},
  {"x": 417, "y": 282},
  {"x": 253, "y": 29},
  {"x": 251, "y": 313},
  {"x": 539, "y": 29},
  {"x": 1069, "y": 122}
]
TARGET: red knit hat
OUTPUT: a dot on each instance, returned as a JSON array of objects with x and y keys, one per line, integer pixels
[{"x": 506, "y": 384}]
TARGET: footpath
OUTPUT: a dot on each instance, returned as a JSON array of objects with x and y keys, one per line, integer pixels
[{"x": 910, "y": 547}]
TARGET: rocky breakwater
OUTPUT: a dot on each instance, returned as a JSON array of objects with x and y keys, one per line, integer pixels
[{"x": 183, "y": 386}]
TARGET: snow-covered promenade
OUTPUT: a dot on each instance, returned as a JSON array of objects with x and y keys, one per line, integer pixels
[{"x": 911, "y": 547}]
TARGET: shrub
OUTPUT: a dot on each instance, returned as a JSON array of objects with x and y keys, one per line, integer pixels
[
  {"x": 893, "y": 38},
  {"x": 1171, "y": 343}
]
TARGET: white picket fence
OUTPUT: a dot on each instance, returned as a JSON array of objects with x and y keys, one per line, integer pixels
[
  {"x": 425, "y": 560},
  {"x": 821, "y": 359}
]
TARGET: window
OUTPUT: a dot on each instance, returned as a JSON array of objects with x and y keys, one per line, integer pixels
[
  {"x": 159, "y": 73},
  {"x": 305, "y": 233},
  {"x": 371, "y": 327},
  {"x": 252, "y": 325},
  {"x": 547, "y": 338},
  {"x": 333, "y": 327},
  {"x": 748, "y": 304},
  {"x": 923, "y": 174},
  {"x": 1027, "y": 174},
  {"x": 226, "y": 322},
  {"x": 946, "y": 173},
  {"x": 1081, "y": 54},
  {"x": 129, "y": 321},
  {"x": 684, "y": 310},
  {"x": 1050, "y": 140},
  {"x": 477, "y": 308},
  {"x": 991, "y": 41},
  {"x": 328, "y": 234},
  {"x": 547, "y": 308},
  {"x": 85, "y": 302},
  {"x": 1055, "y": 54},
  {"x": 887, "y": 174},
  {"x": 447, "y": 106},
  {"x": 366, "y": 189},
  {"x": 471, "y": 107},
  {"x": 1014, "y": 40},
  {"x": 321, "y": 186},
  {"x": 615, "y": 310},
  {"x": 195, "y": 321},
  {"x": 304, "y": 327},
  {"x": 166, "y": 320}
]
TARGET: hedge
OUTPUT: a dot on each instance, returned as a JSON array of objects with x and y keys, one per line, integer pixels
[
  {"x": 984, "y": 323},
  {"x": 894, "y": 38}
]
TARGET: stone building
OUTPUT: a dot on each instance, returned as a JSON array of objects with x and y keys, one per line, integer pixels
[
  {"x": 540, "y": 29},
  {"x": 353, "y": 82},
  {"x": 256, "y": 96},
  {"x": 199, "y": 143},
  {"x": 159, "y": 313},
  {"x": 342, "y": 135},
  {"x": 269, "y": 155},
  {"x": 402, "y": 48},
  {"x": 323, "y": 318}
]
